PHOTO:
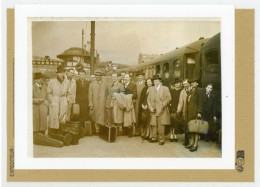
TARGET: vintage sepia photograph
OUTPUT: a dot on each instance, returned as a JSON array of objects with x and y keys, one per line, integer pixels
[{"x": 120, "y": 88}]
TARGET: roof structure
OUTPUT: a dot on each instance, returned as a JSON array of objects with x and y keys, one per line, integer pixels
[{"x": 74, "y": 51}]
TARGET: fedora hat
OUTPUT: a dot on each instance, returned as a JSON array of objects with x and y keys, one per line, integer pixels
[
  {"x": 98, "y": 73},
  {"x": 157, "y": 77},
  {"x": 38, "y": 76},
  {"x": 60, "y": 69}
]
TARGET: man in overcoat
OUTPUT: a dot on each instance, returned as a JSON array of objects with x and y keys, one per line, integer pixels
[
  {"x": 72, "y": 82},
  {"x": 182, "y": 108},
  {"x": 40, "y": 104},
  {"x": 59, "y": 96},
  {"x": 208, "y": 110},
  {"x": 114, "y": 87},
  {"x": 82, "y": 96},
  {"x": 158, "y": 100},
  {"x": 97, "y": 100},
  {"x": 140, "y": 84}
]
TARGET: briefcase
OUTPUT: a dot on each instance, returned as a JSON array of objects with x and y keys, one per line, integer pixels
[
  {"x": 73, "y": 128},
  {"x": 75, "y": 112},
  {"x": 198, "y": 126},
  {"x": 107, "y": 133},
  {"x": 90, "y": 129}
]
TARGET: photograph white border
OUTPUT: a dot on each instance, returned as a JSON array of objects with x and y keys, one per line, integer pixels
[{"x": 23, "y": 79}]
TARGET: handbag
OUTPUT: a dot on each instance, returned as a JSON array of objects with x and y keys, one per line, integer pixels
[{"x": 198, "y": 126}]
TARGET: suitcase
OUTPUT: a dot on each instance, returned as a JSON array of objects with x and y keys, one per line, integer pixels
[
  {"x": 73, "y": 128},
  {"x": 75, "y": 112},
  {"x": 82, "y": 131},
  {"x": 198, "y": 126},
  {"x": 107, "y": 133},
  {"x": 66, "y": 138},
  {"x": 90, "y": 129}
]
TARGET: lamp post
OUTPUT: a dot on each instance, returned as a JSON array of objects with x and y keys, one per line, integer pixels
[
  {"x": 82, "y": 59},
  {"x": 92, "y": 49}
]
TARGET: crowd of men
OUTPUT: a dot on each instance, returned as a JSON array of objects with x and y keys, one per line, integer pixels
[{"x": 143, "y": 108}]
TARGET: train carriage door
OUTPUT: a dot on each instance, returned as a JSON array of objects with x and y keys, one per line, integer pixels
[
  {"x": 158, "y": 70},
  {"x": 166, "y": 69},
  {"x": 190, "y": 70}
]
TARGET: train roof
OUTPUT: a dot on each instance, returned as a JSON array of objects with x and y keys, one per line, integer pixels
[
  {"x": 213, "y": 43},
  {"x": 193, "y": 47}
]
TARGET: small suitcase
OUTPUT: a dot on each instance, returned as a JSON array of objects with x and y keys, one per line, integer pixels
[
  {"x": 108, "y": 133},
  {"x": 73, "y": 128},
  {"x": 75, "y": 112},
  {"x": 90, "y": 129}
]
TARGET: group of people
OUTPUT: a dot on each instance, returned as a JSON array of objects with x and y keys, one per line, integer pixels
[{"x": 143, "y": 108}]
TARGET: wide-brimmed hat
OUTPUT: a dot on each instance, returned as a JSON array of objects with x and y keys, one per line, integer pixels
[
  {"x": 157, "y": 77},
  {"x": 38, "y": 76},
  {"x": 60, "y": 69},
  {"x": 98, "y": 73}
]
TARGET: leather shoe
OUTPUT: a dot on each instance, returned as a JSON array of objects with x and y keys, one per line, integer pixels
[
  {"x": 175, "y": 139},
  {"x": 185, "y": 144},
  {"x": 192, "y": 149},
  {"x": 188, "y": 146},
  {"x": 161, "y": 143},
  {"x": 171, "y": 140}
]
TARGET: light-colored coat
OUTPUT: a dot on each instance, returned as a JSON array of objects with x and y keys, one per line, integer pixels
[
  {"x": 182, "y": 106},
  {"x": 73, "y": 96},
  {"x": 97, "y": 100},
  {"x": 59, "y": 95},
  {"x": 159, "y": 101},
  {"x": 137, "y": 104}
]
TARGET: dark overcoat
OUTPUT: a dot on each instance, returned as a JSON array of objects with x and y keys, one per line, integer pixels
[
  {"x": 193, "y": 104},
  {"x": 208, "y": 106},
  {"x": 82, "y": 90}
]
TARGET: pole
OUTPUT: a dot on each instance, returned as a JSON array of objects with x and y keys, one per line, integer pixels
[
  {"x": 82, "y": 50},
  {"x": 92, "y": 49}
]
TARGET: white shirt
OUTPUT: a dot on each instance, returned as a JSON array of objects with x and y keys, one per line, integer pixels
[
  {"x": 141, "y": 82},
  {"x": 157, "y": 88},
  {"x": 126, "y": 84}
]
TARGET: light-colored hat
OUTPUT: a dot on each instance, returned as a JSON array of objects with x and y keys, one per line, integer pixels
[{"x": 98, "y": 73}]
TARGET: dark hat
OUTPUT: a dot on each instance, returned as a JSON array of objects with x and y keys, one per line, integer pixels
[
  {"x": 139, "y": 73},
  {"x": 38, "y": 76},
  {"x": 98, "y": 73},
  {"x": 157, "y": 77},
  {"x": 176, "y": 80},
  {"x": 194, "y": 80},
  {"x": 60, "y": 69},
  {"x": 81, "y": 70}
]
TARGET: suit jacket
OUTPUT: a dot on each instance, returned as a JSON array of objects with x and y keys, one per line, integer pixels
[
  {"x": 159, "y": 101},
  {"x": 131, "y": 89},
  {"x": 208, "y": 105},
  {"x": 137, "y": 104}
]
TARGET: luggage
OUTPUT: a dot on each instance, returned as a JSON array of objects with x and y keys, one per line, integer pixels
[
  {"x": 66, "y": 138},
  {"x": 82, "y": 131},
  {"x": 75, "y": 112},
  {"x": 90, "y": 129},
  {"x": 40, "y": 139},
  {"x": 198, "y": 126},
  {"x": 73, "y": 128},
  {"x": 107, "y": 133}
]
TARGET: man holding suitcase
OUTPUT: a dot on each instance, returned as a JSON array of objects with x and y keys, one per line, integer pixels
[{"x": 97, "y": 100}]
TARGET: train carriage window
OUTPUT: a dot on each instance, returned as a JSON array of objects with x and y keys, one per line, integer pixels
[
  {"x": 177, "y": 63},
  {"x": 212, "y": 61},
  {"x": 190, "y": 66},
  {"x": 166, "y": 70}
]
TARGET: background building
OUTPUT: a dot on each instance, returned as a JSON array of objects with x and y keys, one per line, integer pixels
[{"x": 146, "y": 57}]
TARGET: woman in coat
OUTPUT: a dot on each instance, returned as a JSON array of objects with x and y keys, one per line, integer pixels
[{"x": 144, "y": 111}]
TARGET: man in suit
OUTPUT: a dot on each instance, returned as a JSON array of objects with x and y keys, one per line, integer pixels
[
  {"x": 140, "y": 84},
  {"x": 130, "y": 88},
  {"x": 97, "y": 100},
  {"x": 82, "y": 96},
  {"x": 158, "y": 100},
  {"x": 208, "y": 110}
]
